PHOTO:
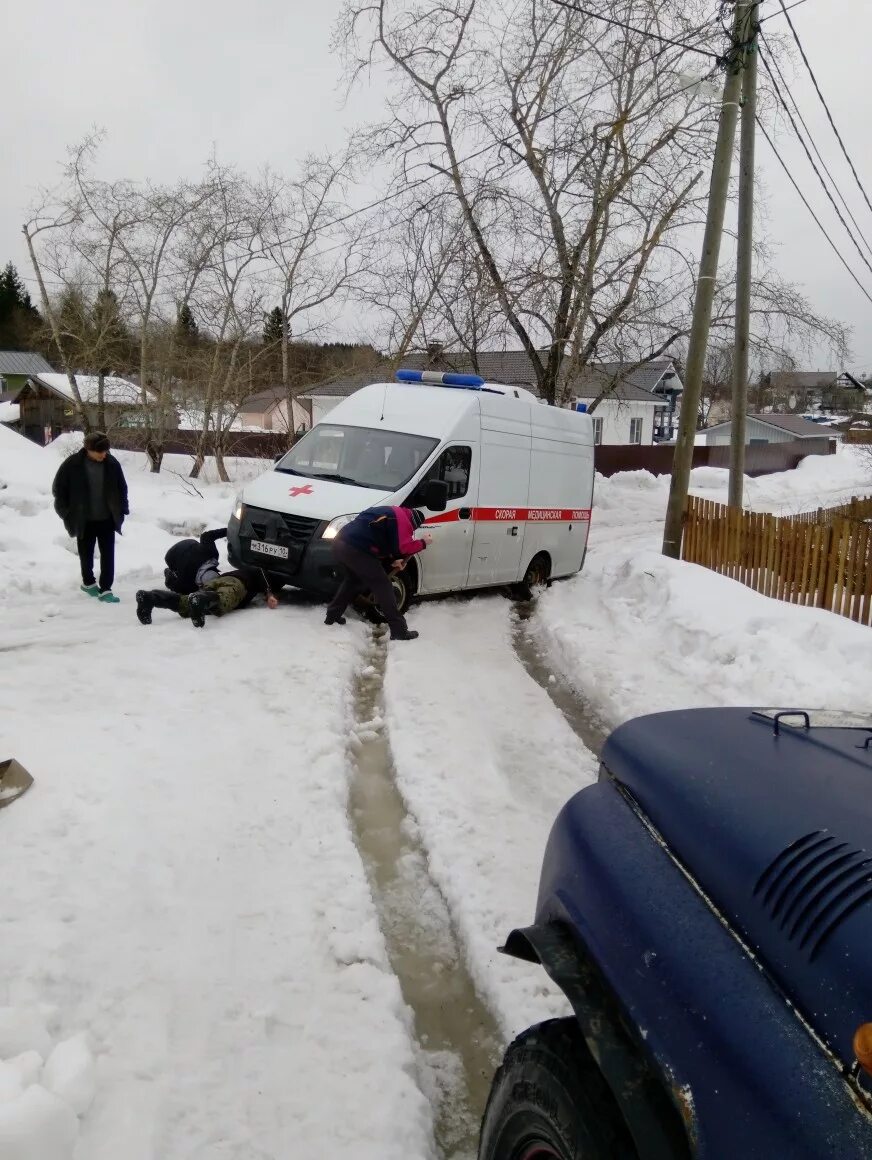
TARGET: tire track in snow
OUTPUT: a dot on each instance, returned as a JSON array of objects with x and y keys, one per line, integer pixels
[
  {"x": 484, "y": 761},
  {"x": 458, "y": 1042}
]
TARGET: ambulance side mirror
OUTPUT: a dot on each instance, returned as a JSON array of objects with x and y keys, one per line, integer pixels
[{"x": 435, "y": 495}]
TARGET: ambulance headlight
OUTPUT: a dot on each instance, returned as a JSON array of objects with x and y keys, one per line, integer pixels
[
  {"x": 335, "y": 526},
  {"x": 238, "y": 508}
]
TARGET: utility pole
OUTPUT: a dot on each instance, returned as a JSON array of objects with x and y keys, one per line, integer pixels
[
  {"x": 705, "y": 289},
  {"x": 745, "y": 257}
]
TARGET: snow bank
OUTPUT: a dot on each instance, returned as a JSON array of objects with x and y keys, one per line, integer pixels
[{"x": 638, "y": 633}]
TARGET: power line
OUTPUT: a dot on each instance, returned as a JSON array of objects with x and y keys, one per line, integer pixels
[
  {"x": 774, "y": 14},
  {"x": 666, "y": 40},
  {"x": 807, "y": 64},
  {"x": 810, "y": 135},
  {"x": 813, "y": 164},
  {"x": 807, "y": 205}
]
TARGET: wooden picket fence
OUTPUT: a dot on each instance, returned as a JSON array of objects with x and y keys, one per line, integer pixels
[{"x": 822, "y": 558}]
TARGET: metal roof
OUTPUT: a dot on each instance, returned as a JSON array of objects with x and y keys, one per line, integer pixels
[
  {"x": 793, "y": 424},
  {"x": 514, "y": 368},
  {"x": 23, "y": 362}
]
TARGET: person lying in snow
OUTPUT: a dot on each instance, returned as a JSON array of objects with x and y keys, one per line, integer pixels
[
  {"x": 191, "y": 563},
  {"x": 378, "y": 536},
  {"x": 224, "y": 594}
]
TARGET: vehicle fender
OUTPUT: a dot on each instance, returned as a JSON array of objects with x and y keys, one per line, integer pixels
[{"x": 652, "y": 1120}]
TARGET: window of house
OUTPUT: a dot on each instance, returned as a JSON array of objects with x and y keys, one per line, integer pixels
[
  {"x": 597, "y": 430},
  {"x": 452, "y": 467},
  {"x": 635, "y": 430}
]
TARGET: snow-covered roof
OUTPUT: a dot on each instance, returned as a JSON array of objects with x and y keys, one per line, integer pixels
[{"x": 115, "y": 390}]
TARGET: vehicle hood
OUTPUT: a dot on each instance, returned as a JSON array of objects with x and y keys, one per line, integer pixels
[
  {"x": 320, "y": 499},
  {"x": 774, "y": 822}
]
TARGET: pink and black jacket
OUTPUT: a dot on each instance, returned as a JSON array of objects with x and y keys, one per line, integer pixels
[{"x": 385, "y": 532}]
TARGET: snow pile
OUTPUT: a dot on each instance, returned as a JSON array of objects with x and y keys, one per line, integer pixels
[
  {"x": 9, "y": 412},
  {"x": 637, "y": 632},
  {"x": 43, "y": 1089}
]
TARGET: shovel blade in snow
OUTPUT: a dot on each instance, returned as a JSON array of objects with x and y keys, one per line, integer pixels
[{"x": 14, "y": 780}]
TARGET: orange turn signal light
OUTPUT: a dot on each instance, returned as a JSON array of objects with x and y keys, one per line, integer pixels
[{"x": 863, "y": 1046}]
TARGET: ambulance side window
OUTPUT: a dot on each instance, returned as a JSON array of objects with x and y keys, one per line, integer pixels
[{"x": 452, "y": 467}]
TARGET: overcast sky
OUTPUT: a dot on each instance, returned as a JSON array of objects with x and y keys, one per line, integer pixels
[{"x": 256, "y": 81}]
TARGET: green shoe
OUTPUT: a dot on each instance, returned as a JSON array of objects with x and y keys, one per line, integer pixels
[
  {"x": 108, "y": 598},
  {"x": 90, "y": 589}
]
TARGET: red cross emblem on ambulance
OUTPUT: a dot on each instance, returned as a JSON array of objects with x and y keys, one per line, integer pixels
[{"x": 306, "y": 489}]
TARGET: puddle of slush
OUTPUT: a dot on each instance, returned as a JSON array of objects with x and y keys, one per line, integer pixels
[{"x": 459, "y": 1046}]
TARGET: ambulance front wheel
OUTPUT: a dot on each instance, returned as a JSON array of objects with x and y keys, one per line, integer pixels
[{"x": 401, "y": 583}]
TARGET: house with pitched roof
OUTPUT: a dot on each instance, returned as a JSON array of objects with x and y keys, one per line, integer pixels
[
  {"x": 766, "y": 428},
  {"x": 636, "y": 403}
]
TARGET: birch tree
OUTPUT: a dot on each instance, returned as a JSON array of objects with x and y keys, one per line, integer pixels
[{"x": 572, "y": 150}]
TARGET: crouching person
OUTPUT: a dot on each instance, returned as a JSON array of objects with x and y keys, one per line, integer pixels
[
  {"x": 190, "y": 564},
  {"x": 217, "y": 597},
  {"x": 378, "y": 537}
]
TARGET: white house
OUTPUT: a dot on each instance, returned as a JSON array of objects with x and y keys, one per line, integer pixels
[
  {"x": 766, "y": 428},
  {"x": 635, "y": 402}
]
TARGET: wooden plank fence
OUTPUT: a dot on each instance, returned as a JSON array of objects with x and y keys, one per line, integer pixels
[{"x": 821, "y": 559}]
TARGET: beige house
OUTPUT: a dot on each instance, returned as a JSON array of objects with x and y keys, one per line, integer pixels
[{"x": 268, "y": 410}]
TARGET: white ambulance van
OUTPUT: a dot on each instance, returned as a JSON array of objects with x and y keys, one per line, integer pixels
[{"x": 506, "y": 483}]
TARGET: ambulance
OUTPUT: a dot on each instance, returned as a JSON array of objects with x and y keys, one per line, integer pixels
[{"x": 505, "y": 481}]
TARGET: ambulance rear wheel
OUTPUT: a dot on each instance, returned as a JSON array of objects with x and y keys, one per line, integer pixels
[{"x": 536, "y": 578}]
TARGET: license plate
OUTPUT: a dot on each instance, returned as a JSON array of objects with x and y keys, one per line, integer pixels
[{"x": 269, "y": 549}]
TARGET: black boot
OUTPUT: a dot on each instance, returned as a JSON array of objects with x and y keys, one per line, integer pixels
[
  {"x": 405, "y": 634},
  {"x": 144, "y": 605},
  {"x": 334, "y": 618},
  {"x": 202, "y": 604},
  {"x": 147, "y": 601}
]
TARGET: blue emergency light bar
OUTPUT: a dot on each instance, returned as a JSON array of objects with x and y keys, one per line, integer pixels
[
  {"x": 447, "y": 379},
  {"x": 473, "y": 382}
]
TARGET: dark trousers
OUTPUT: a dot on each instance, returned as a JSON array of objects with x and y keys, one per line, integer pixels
[
  {"x": 102, "y": 533},
  {"x": 365, "y": 574}
]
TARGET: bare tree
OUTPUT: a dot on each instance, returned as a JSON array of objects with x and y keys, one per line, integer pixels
[
  {"x": 572, "y": 152},
  {"x": 45, "y": 220},
  {"x": 313, "y": 263}
]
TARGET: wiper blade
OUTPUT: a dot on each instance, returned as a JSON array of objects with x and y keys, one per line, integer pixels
[
  {"x": 287, "y": 470},
  {"x": 336, "y": 478}
]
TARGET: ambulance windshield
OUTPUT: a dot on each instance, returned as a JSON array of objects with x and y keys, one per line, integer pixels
[{"x": 358, "y": 455}]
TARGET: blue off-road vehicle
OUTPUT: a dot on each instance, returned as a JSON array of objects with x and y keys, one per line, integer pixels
[{"x": 706, "y": 908}]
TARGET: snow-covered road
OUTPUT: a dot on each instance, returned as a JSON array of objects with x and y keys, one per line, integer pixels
[
  {"x": 189, "y": 885},
  {"x": 182, "y": 884}
]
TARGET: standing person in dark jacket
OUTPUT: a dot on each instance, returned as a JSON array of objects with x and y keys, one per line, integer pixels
[
  {"x": 223, "y": 594},
  {"x": 90, "y": 496},
  {"x": 378, "y": 535},
  {"x": 191, "y": 563}
]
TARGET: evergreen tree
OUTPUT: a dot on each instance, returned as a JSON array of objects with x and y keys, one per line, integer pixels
[
  {"x": 273, "y": 325},
  {"x": 19, "y": 318},
  {"x": 111, "y": 340},
  {"x": 187, "y": 331}
]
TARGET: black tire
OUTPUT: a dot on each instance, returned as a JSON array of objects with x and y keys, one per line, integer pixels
[
  {"x": 537, "y": 577},
  {"x": 403, "y": 591},
  {"x": 548, "y": 1101}
]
